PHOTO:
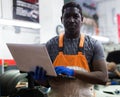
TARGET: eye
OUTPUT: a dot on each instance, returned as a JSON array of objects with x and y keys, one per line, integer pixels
[
  {"x": 67, "y": 16},
  {"x": 76, "y": 16}
]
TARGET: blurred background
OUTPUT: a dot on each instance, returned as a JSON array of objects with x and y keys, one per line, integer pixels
[{"x": 37, "y": 21}]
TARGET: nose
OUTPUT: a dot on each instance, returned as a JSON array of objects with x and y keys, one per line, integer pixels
[{"x": 71, "y": 19}]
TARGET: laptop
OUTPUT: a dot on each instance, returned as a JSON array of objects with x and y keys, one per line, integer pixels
[{"x": 28, "y": 56}]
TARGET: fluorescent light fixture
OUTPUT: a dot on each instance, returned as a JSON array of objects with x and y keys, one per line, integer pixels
[
  {"x": 20, "y": 23},
  {"x": 101, "y": 38}
]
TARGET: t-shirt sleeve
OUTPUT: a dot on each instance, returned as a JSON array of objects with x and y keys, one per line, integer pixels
[{"x": 98, "y": 51}]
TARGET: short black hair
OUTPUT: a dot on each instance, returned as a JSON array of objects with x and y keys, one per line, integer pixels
[{"x": 72, "y": 4}]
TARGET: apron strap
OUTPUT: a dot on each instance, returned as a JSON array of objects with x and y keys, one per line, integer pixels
[
  {"x": 61, "y": 36},
  {"x": 82, "y": 38},
  {"x": 81, "y": 43}
]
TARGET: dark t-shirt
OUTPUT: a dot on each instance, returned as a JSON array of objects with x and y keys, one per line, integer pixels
[{"x": 92, "y": 49}]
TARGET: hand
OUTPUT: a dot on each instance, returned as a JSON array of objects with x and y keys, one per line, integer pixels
[
  {"x": 39, "y": 75},
  {"x": 64, "y": 70}
]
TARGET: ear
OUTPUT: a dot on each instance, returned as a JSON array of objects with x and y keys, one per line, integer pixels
[{"x": 82, "y": 18}]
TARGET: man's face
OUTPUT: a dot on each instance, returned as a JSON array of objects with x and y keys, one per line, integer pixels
[{"x": 71, "y": 20}]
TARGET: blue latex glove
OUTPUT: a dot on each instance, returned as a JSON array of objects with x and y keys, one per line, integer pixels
[
  {"x": 64, "y": 70},
  {"x": 39, "y": 75},
  {"x": 114, "y": 83}
]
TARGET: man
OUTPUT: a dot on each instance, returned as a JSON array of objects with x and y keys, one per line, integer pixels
[
  {"x": 74, "y": 55},
  {"x": 113, "y": 73},
  {"x": 112, "y": 69}
]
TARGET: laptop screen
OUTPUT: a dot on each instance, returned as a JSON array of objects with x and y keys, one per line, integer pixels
[{"x": 28, "y": 56}]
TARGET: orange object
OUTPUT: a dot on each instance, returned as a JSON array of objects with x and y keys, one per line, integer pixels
[{"x": 78, "y": 60}]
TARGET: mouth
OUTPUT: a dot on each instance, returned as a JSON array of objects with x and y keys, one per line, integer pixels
[{"x": 71, "y": 26}]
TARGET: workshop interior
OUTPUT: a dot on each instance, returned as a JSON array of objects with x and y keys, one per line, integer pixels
[{"x": 37, "y": 21}]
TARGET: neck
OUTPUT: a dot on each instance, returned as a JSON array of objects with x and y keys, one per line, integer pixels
[{"x": 72, "y": 35}]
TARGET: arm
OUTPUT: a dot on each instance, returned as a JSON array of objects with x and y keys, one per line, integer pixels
[
  {"x": 112, "y": 67},
  {"x": 117, "y": 72},
  {"x": 39, "y": 76},
  {"x": 98, "y": 76}
]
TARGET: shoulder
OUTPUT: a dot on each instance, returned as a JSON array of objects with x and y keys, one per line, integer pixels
[
  {"x": 93, "y": 48},
  {"x": 93, "y": 43},
  {"x": 52, "y": 47},
  {"x": 52, "y": 41},
  {"x": 90, "y": 42}
]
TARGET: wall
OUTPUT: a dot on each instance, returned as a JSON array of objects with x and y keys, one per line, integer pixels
[
  {"x": 50, "y": 13},
  {"x": 107, "y": 11},
  {"x": 14, "y": 34},
  {"x": 6, "y": 9}
]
